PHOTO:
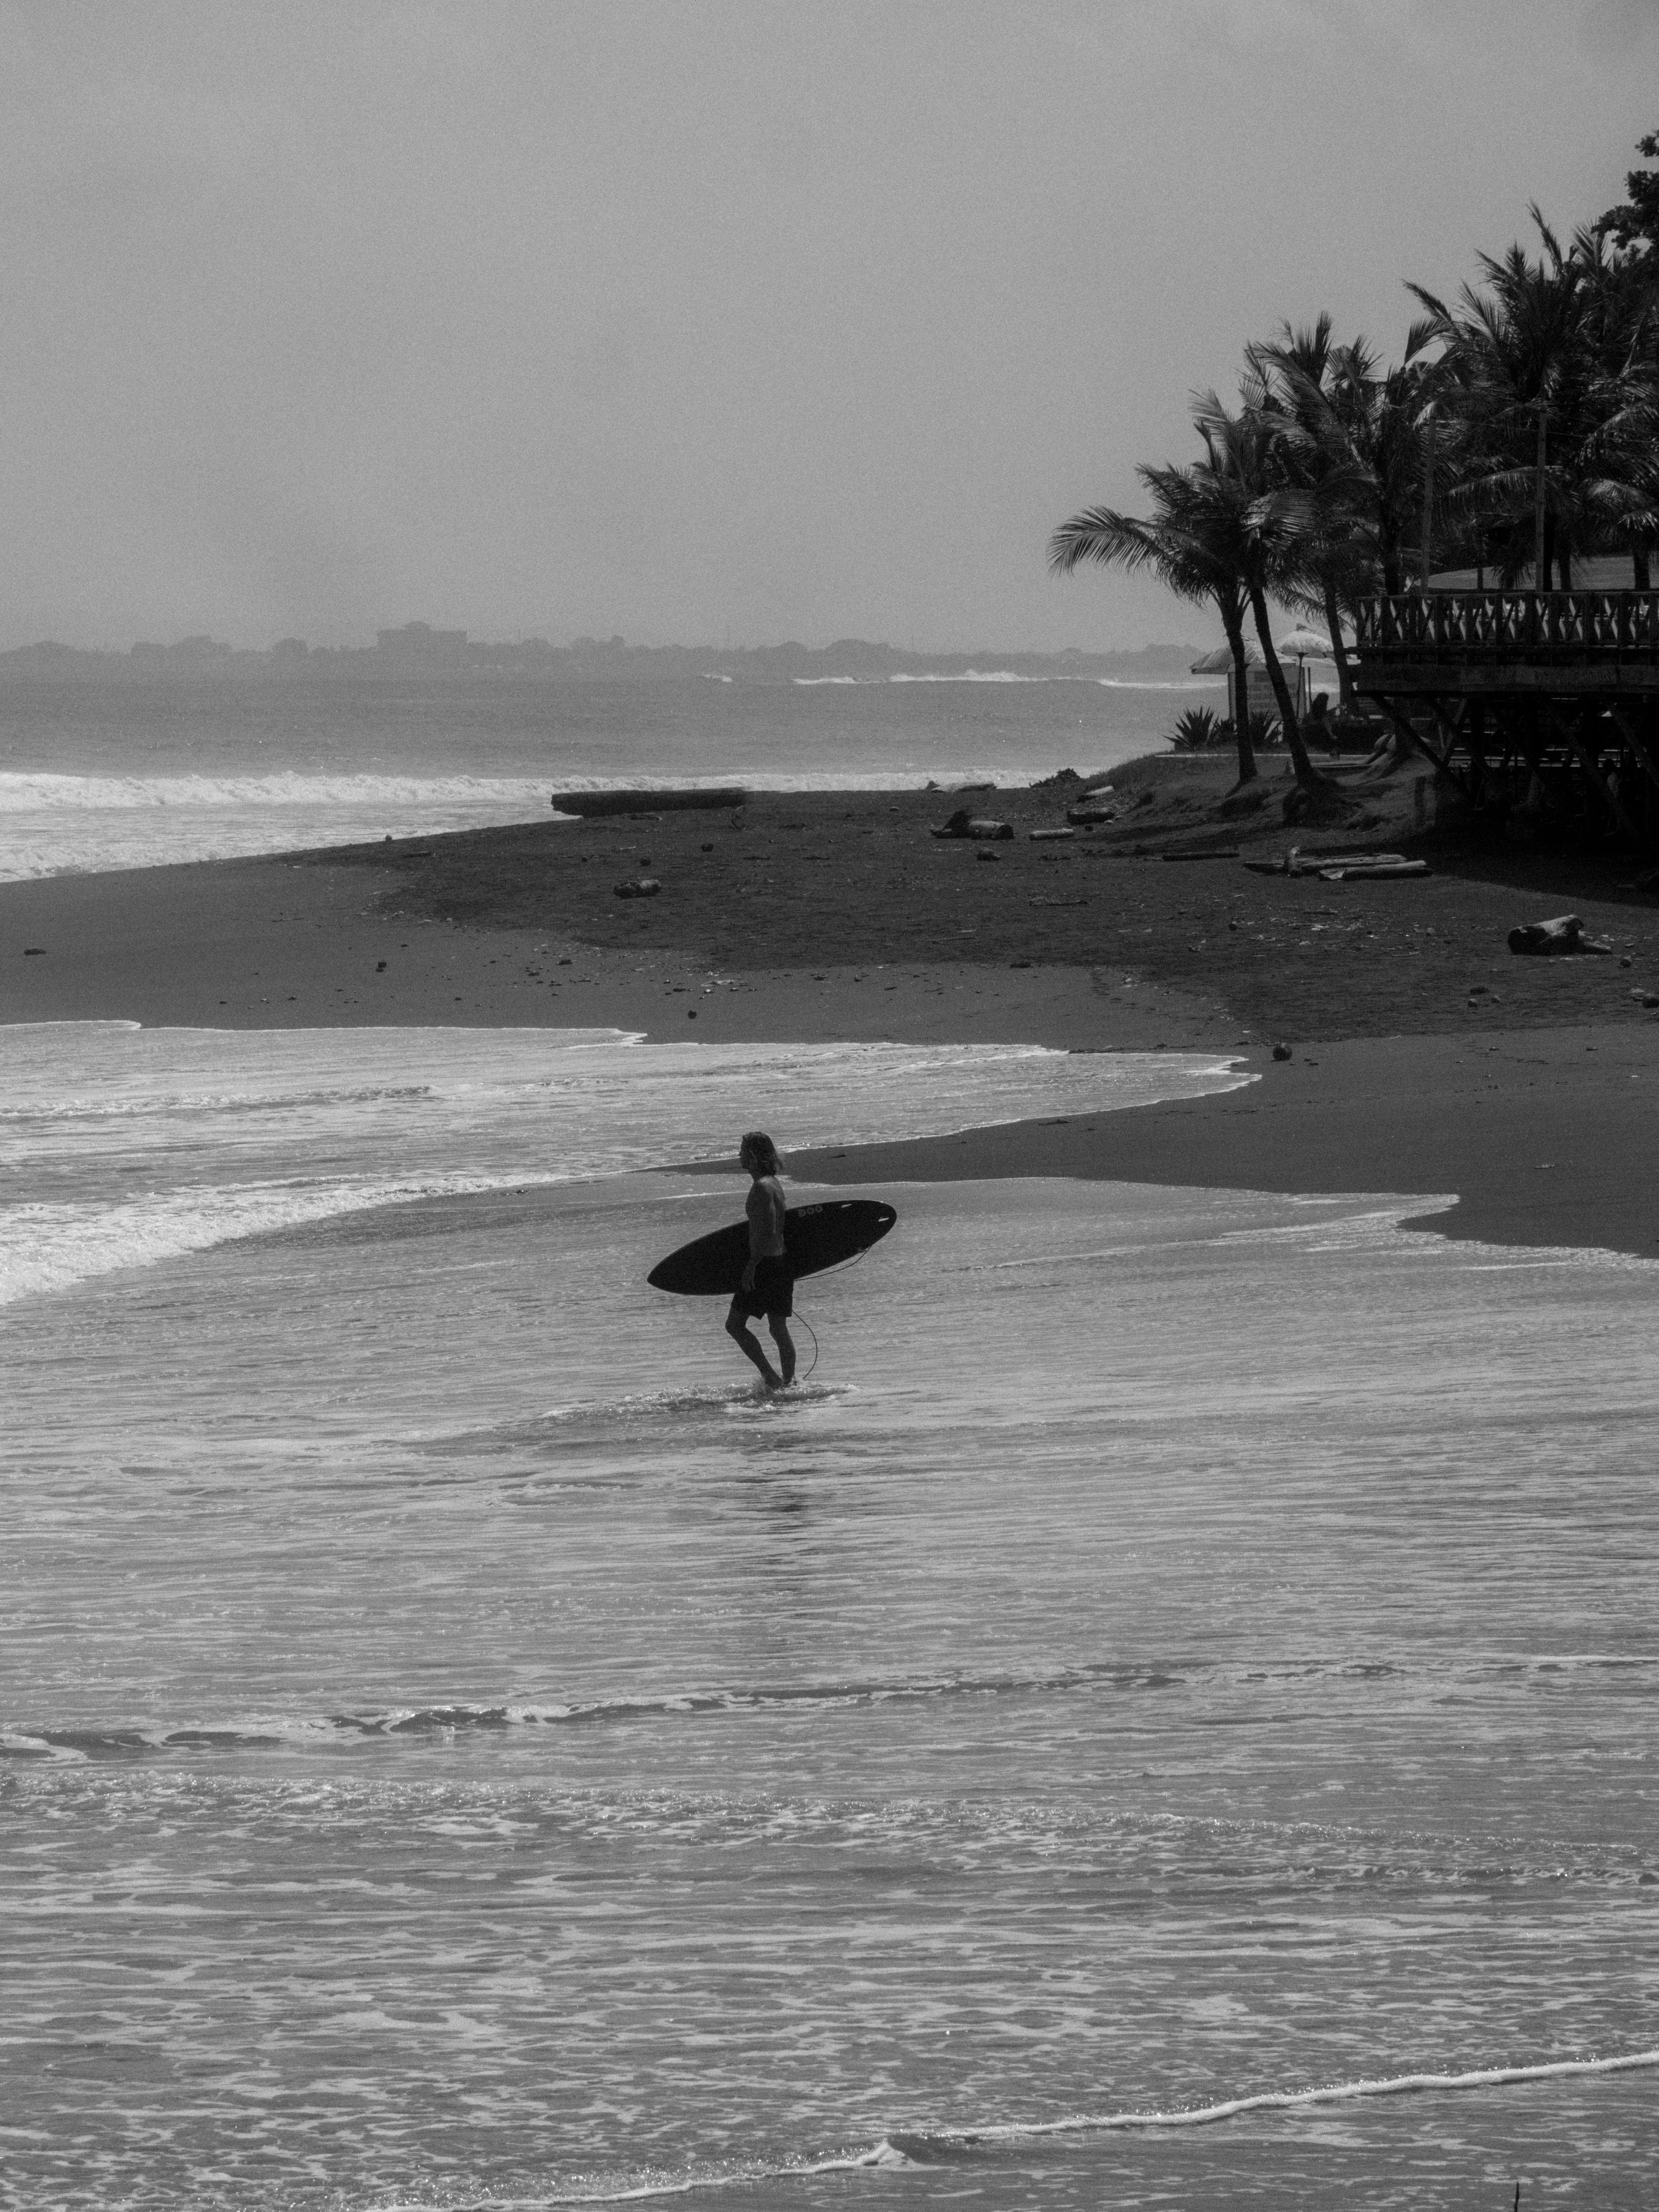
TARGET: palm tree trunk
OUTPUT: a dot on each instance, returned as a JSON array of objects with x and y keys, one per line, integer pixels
[
  {"x": 1388, "y": 553},
  {"x": 1306, "y": 773},
  {"x": 1641, "y": 576},
  {"x": 1230, "y": 624},
  {"x": 1339, "y": 651}
]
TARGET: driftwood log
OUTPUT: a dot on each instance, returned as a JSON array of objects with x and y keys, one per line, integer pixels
[
  {"x": 592, "y": 803},
  {"x": 1298, "y": 863},
  {"x": 1342, "y": 872},
  {"x": 1565, "y": 935}
]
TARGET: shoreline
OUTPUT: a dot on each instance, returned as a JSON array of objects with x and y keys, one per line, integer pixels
[
  {"x": 1531, "y": 1098},
  {"x": 1543, "y": 1137}
]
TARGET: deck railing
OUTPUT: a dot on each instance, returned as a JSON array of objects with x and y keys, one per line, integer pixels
[{"x": 1509, "y": 625}]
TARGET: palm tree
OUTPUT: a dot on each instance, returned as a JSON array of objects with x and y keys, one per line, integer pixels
[
  {"x": 1384, "y": 419},
  {"x": 1188, "y": 543},
  {"x": 1554, "y": 368},
  {"x": 1621, "y": 331},
  {"x": 1312, "y": 386},
  {"x": 1271, "y": 531}
]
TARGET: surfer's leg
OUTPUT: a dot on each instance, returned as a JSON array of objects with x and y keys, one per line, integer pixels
[
  {"x": 736, "y": 1327},
  {"x": 786, "y": 1344}
]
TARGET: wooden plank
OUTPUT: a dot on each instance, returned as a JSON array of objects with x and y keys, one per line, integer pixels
[{"x": 1494, "y": 679}]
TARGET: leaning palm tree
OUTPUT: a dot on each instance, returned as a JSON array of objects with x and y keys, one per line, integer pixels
[
  {"x": 1187, "y": 543},
  {"x": 1270, "y": 526}
]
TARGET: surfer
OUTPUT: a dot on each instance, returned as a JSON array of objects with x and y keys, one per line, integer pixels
[{"x": 767, "y": 1286}]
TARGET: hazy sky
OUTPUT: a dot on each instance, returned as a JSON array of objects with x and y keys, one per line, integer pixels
[{"x": 707, "y": 318}]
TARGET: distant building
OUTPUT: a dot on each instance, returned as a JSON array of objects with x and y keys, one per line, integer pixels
[{"x": 418, "y": 641}]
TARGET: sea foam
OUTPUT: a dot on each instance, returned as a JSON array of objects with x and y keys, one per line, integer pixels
[{"x": 125, "y": 1148}]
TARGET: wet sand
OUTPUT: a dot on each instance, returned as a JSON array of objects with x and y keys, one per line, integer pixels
[{"x": 1426, "y": 1058}]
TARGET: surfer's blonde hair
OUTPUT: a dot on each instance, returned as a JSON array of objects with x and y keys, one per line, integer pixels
[{"x": 757, "y": 1146}]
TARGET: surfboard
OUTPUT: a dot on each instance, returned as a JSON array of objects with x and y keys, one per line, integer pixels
[{"x": 814, "y": 1238}]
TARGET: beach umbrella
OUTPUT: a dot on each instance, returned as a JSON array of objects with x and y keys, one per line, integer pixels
[
  {"x": 1305, "y": 644},
  {"x": 1220, "y": 662}
]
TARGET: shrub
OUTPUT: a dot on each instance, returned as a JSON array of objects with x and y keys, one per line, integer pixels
[
  {"x": 1199, "y": 730},
  {"x": 1265, "y": 733}
]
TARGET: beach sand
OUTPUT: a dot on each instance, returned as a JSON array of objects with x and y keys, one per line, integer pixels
[{"x": 1426, "y": 1058}]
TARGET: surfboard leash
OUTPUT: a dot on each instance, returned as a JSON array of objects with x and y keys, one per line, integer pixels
[
  {"x": 841, "y": 1266},
  {"x": 807, "y": 1326}
]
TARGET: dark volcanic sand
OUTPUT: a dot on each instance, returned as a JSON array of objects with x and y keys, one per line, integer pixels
[
  {"x": 842, "y": 879},
  {"x": 836, "y": 915}
]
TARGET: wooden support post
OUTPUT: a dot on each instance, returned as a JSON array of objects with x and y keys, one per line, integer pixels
[
  {"x": 1633, "y": 739},
  {"x": 1412, "y": 740},
  {"x": 1586, "y": 753},
  {"x": 1475, "y": 738},
  {"x": 1453, "y": 737}
]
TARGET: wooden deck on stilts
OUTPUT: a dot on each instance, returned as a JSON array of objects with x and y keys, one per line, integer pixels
[{"x": 1544, "y": 705}]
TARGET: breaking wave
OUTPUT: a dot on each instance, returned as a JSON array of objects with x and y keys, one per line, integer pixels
[{"x": 902, "y": 2148}]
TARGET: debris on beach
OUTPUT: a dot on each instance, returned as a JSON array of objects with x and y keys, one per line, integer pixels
[
  {"x": 1043, "y": 837},
  {"x": 1207, "y": 852},
  {"x": 1335, "y": 867},
  {"x": 1094, "y": 806},
  {"x": 1565, "y": 933},
  {"x": 961, "y": 824},
  {"x": 637, "y": 887}
]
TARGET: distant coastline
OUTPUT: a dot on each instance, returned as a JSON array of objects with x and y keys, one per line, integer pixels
[{"x": 417, "y": 653}]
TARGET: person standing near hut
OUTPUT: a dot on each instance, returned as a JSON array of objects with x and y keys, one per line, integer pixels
[
  {"x": 767, "y": 1287},
  {"x": 1317, "y": 725}
]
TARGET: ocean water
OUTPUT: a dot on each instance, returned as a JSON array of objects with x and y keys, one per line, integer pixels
[
  {"x": 464, "y": 1745},
  {"x": 136, "y": 774}
]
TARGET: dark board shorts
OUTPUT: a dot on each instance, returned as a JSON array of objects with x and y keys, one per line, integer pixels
[{"x": 774, "y": 1294}]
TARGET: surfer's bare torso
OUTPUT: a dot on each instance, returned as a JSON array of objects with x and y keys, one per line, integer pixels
[{"x": 764, "y": 1206}]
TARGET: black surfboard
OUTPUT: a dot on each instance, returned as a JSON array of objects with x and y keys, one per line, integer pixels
[{"x": 814, "y": 1238}]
